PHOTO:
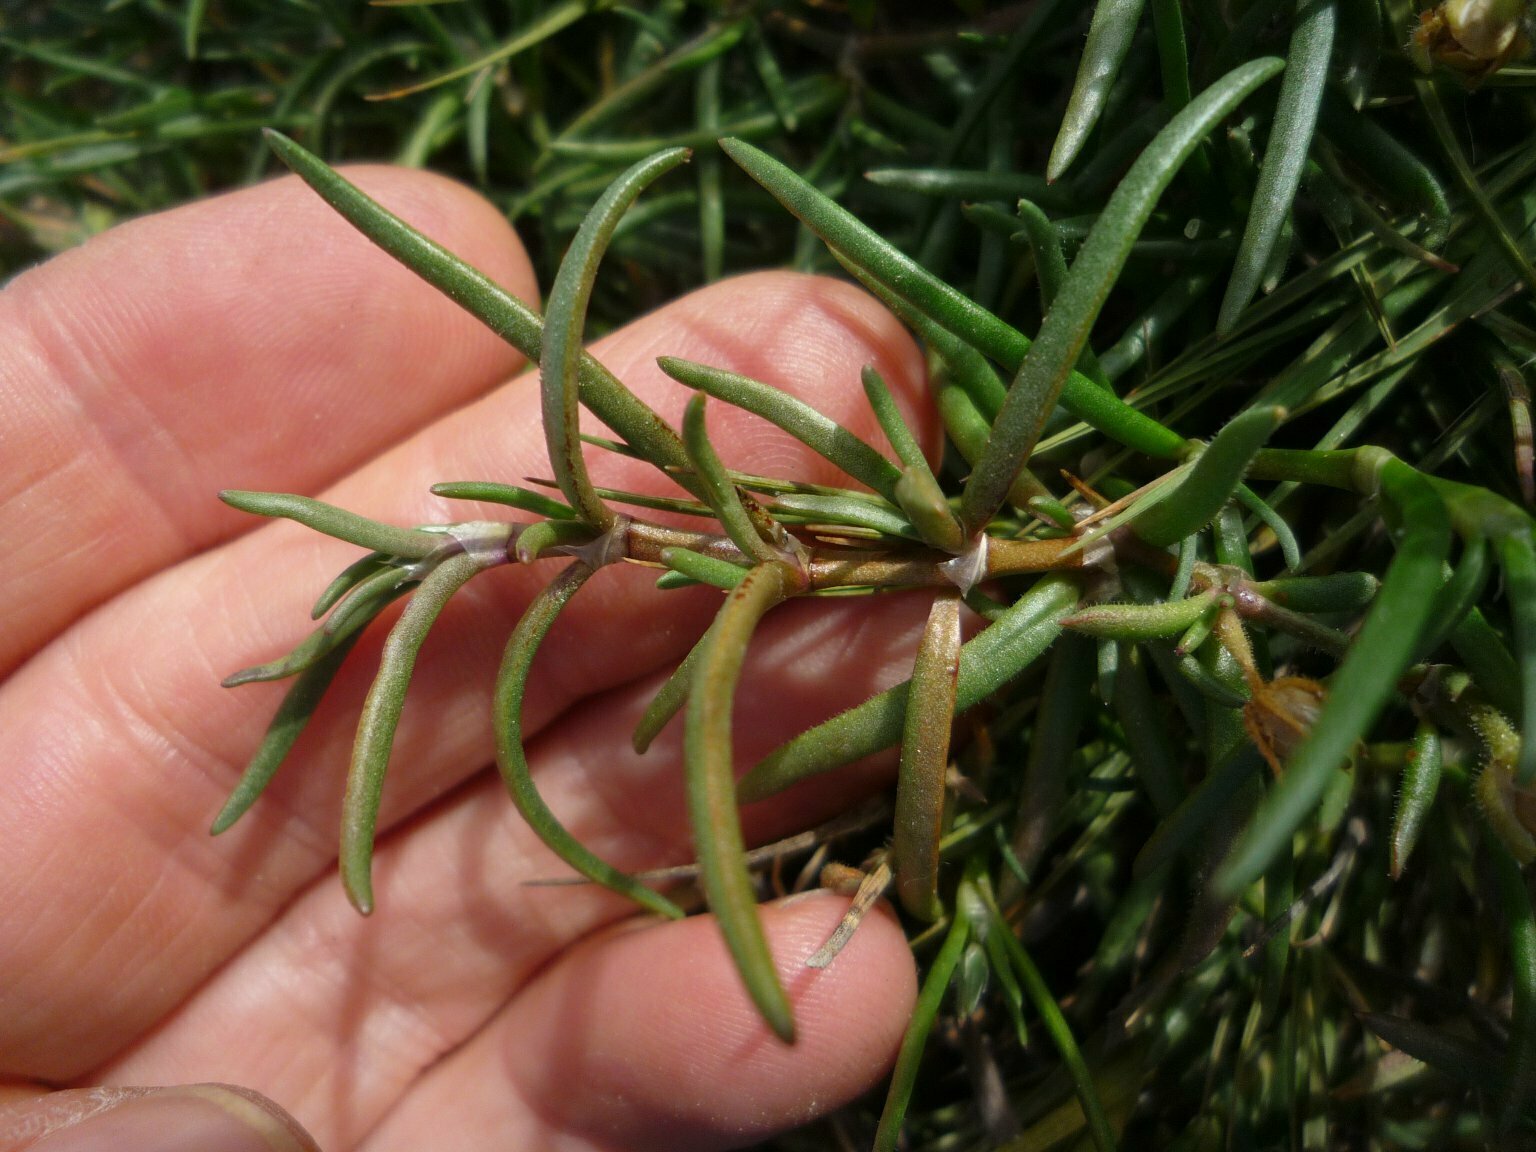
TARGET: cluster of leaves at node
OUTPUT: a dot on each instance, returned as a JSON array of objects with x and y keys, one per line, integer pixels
[
  {"x": 906, "y": 534},
  {"x": 906, "y": 531}
]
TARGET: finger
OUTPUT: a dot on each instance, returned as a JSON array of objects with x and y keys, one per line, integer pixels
[
  {"x": 646, "y": 1039},
  {"x": 339, "y": 1015},
  {"x": 124, "y": 742},
  {"x": 201, "y": 1117},
  {"x": 249, "y": 335}
]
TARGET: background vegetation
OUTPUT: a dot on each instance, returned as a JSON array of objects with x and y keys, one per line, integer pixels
[{"x": 1352, "y": 244}]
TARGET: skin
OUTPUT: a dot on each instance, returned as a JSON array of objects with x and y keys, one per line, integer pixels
[{"x": 255, "y": 341}]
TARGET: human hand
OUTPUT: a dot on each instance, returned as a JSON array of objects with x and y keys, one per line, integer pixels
[{"x": 255, "y": 341}]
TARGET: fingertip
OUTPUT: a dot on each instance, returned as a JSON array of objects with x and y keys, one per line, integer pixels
[
  {"x": 185, "y": 1118},
  {"x": 656, "y": 1029}
]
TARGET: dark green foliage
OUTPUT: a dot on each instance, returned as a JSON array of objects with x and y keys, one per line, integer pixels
[{"x": 1299, "y": 532}]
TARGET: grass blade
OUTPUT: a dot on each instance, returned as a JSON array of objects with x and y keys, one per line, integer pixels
[
  {"x": 909, "y": 1059},
  {"x": 1055, "y": 1023}
]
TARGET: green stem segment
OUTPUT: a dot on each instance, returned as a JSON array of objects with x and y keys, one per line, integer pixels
[{"x": 1365, "y": 680}]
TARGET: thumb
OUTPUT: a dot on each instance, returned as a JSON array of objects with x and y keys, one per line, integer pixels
[{"x": 186, "y": 1118}]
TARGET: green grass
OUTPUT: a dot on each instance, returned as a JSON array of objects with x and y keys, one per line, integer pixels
[{"x": 1327, "y": 275}]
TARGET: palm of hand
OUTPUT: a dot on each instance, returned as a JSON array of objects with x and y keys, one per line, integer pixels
[{"x": 255, "y": 341}]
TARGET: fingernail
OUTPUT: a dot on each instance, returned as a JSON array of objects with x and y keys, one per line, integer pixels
[{"x": 194, "y": 1118}]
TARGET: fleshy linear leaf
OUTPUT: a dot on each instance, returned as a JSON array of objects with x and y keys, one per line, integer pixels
[
  {"x": 1421, "y": 781},
  {"x": 850, "y": 238},
  {"x": 1194, "y": 499},
  {"x": 351, "y": 616},
  {"x": 712, "y": 793},
  {"x": 924, "y": 757},
  {"x": 507, "y": 711},
  {"x": 380, "y": 716},
  {"x": 819, "y": 433},
  {"x": 1009, "y": 645},
  {"x": 719, "y": 490},
  {"x": 1048, "y": 364},
  {"x": 495, "y": 307},
  {"x": 287, "y": 725},
  {"x": 337, "y": 522},
  {"x": 918, "y": 492},
  {"x": 1109, "y": 40},
  {"x": 560, "y": 349},
  {"x": 1290, "y": 137}
]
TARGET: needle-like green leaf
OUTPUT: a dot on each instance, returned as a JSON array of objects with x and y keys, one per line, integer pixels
[
  {"x": 712, "y": 792},
  {"x": 1290, "y": 137},
  {"x": 380, "y": 716},
  {"x": 1008, "y": 646},
  {"x": 1046, "y": 368},
  {"x": 507, "y": 710},
  {"x": 560, "y": 350},
  {"x": 920, "y": 786}
]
